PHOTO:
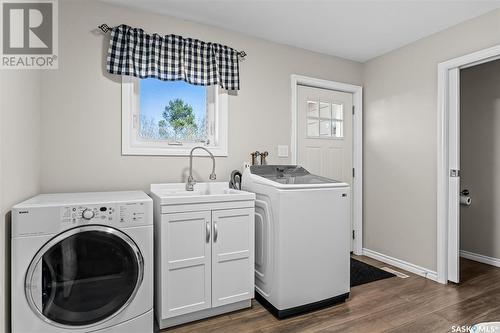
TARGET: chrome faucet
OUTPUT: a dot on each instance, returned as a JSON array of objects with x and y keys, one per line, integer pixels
[{"x": 190, "y": 182}]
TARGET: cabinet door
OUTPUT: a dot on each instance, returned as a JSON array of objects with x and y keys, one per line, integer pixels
[
  {"x": 186, "y": 261},
  {"x": 232, "y": 255}
]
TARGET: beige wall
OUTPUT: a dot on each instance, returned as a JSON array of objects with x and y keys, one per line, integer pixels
[
  {"x": 81, "y": 117},
  {"x": 400, "y": 133},
  {"x": 20, "y": 159},
  {"x": 480, "y": 158}
]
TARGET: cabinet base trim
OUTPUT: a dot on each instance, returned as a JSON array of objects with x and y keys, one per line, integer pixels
[
  {"x": 189, "y": 317},
  {"x": 298, "y": 310}
]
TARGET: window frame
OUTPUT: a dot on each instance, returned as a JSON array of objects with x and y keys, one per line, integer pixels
[{"x": 131, "y": 145}]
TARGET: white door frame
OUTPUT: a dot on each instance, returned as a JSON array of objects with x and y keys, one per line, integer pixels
[
  {"x": 357, "y": 163},
  {"x": 448, "y": 157}
]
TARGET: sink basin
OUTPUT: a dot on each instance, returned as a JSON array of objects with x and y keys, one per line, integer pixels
[{"x": 175, "y": 193}]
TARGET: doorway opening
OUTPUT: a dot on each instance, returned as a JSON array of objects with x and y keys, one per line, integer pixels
[
  {"x": 327, "y": 117},
  {"x": 466, "y": 115},
  {"x": 479, "y": 160}
]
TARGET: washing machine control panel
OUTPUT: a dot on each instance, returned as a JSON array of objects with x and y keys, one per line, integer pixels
[{"x": 121, "y": 214}]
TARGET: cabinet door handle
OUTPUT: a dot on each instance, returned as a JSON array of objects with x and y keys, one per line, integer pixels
[
  {"x": 207, "y": 226},
  {"x": 216, "y": 234}
]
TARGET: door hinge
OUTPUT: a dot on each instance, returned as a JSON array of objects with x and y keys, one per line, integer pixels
[
  {"x": 353, "y": 173},
  {"x": 454, "y": 173},
  {"x": 353, "y": 110},
  {"x": 354, "y": 234}
]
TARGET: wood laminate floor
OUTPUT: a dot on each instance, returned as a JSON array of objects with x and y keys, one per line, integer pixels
[{"x": 414, "y": 304}]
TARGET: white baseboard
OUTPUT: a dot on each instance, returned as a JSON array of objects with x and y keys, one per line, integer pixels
[
  {"x": 409, "y": 267},
  {"x": 480, "y": 258}
]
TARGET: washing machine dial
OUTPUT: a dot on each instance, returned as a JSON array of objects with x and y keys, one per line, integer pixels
[{"x": 87, "y": 214}]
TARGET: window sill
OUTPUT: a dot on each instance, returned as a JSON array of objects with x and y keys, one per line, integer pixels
[{"x": 167, "y": 151}]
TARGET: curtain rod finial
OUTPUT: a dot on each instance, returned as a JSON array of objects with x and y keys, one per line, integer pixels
[
  {"x": 242, "y": 54},
  {"x": 104, "y": 27}
]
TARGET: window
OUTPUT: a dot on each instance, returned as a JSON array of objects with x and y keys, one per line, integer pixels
[
  {"x": 325, "y": 120},
  {"x": 172, "y": 117}
]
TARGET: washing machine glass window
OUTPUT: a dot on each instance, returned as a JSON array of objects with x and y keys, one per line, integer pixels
[{"x": 84, "y": 276}]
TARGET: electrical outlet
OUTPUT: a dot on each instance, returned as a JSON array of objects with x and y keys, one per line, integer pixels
[{"x": 282, "y": 151}]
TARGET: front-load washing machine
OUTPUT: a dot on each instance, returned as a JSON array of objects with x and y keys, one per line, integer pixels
[
  {"x": 302, "y": 238},
  {"x": 83, "y": 262}
]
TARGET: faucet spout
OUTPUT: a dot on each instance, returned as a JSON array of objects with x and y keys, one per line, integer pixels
[{"x": 190, "y": 182}]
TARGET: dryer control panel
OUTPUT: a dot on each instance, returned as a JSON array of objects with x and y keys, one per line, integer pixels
[
  {"x": 122, "y": 214},
  {"x": 48, "y": 214}
]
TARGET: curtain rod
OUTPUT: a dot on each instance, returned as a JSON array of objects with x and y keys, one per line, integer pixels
[{"x": 106, "y": 28}]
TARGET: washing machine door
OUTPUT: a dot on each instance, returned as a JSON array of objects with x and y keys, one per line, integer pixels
[{"x": 84, "y": 276}]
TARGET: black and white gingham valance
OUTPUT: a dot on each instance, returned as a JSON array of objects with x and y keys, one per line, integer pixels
[{"x": 171, "y": 57}]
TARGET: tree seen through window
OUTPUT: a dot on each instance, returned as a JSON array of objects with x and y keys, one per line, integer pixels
[{"x": 172, "y": 110}]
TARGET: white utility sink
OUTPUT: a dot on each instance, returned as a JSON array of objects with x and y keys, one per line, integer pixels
[
  {"x": 208, "y": 227},
  {"x": 175, "y": 193}
]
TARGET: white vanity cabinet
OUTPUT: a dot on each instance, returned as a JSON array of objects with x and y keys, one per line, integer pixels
[{"x": 204, "y": 257}]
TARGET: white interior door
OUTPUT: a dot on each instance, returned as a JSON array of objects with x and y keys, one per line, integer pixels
[
  {"x": 324, "y": 133},
  {"x": 454, "y": 178}
]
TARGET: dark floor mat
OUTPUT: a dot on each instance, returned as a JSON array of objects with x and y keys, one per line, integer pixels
[{"x": 362, "y": 273}]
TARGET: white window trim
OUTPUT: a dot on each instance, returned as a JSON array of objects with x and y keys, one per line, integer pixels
[{"x": 130, "y": 122}]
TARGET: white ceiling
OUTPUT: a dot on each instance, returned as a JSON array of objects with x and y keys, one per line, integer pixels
[{"x": 357, "y": 30}]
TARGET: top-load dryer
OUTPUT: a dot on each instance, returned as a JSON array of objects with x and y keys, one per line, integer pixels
[{"x": 302, "y": 235}]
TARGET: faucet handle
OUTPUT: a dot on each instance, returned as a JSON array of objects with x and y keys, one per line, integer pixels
[
  {"x": 263, "y": 157},
  {"x": 254, "y": 155}
]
